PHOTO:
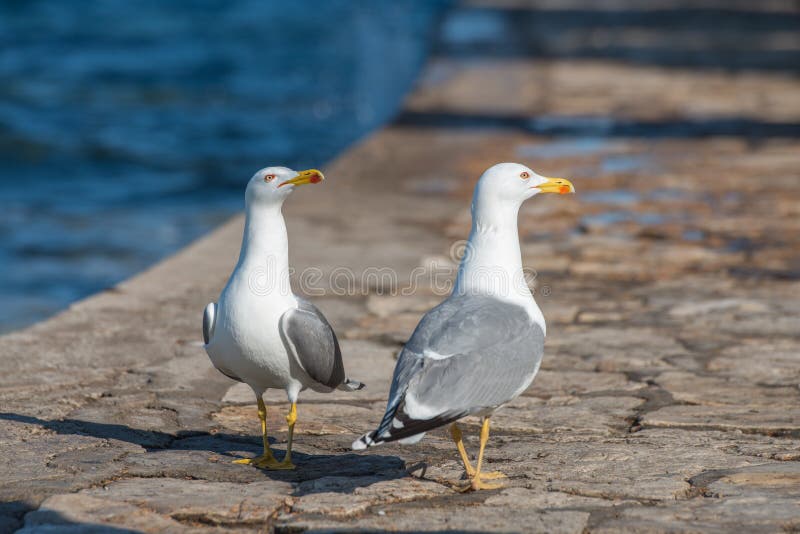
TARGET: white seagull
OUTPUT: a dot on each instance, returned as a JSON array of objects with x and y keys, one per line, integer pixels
[
  {"x": 259, "y": 332},
  {"x": 483, "y": 345}
]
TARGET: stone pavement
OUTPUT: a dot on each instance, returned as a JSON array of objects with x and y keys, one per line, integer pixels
[{"x": 668, "y": 399}]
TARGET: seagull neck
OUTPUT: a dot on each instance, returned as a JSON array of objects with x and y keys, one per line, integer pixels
[
  {"x": 264, "y": 256},
  {"x": 492, "y": 262}
]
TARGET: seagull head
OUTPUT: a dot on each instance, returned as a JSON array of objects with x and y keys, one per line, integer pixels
[
  {"x": 272, "y": 185},
  {"x": 514, "y": 183}
]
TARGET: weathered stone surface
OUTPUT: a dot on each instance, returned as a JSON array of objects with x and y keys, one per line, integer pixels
[
  {"x": 423, "y": 519},
  {"x": 565, "y": 383},
  {"x": 542, "y": 497},
  {"x": 601, "y": 415},
  {"x": 783, "y": 420},
  {"x": 720, "y": 391},
  {"x": 215, "y": 503},
  {"x": 771, "y": 362},
  {"x": 692, "y": 309},
  {"x": 350, "y": 496},
  {"x": 612, "y": 349},
  {"x": 668, "y": 397},
  {"x": 756, "y": 498},
  {"x": 80, "y": 513}
]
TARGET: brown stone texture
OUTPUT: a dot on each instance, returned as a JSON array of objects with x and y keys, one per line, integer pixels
[{"x": 668, "y": 399}]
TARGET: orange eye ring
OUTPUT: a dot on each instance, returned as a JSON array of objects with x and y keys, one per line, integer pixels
[
  {"x": 269, "y": 177},
  {"x": 524, "y": 175}
]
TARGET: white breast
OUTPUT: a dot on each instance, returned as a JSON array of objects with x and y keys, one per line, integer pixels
[{"x": 247, "y": 341}]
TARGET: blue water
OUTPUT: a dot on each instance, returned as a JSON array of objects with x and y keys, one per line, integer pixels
[{"x": 127, "y": 129}]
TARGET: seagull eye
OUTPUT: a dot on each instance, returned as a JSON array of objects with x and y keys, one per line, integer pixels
[
  {"x": 269, "y": 177},
  {"x": 524, "y": 175}
]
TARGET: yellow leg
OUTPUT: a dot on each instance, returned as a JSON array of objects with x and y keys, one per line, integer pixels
[
  {"x": 476, "y": 482},
  {"x": 266, "y": 459},
  {"x": 455, "y": 433},
  {"x": 291, "y": 419}
]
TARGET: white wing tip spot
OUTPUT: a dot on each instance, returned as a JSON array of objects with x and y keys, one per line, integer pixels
[{"x": 433, "y": 355}]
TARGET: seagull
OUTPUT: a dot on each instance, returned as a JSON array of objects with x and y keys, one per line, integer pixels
[
  {"x": 259, "y": 332},
  {"x": 482, "y": 346}
]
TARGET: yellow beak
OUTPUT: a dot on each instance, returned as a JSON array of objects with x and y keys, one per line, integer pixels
[
  {"x": 557, "y": 185},
  {"x": 310, "y": 176}
]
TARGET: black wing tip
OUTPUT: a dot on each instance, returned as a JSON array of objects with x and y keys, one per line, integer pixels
[
  {"x": 365, "y": 441},
  {"x": 409, "y": 429},
  {"x": 402, "y": 427}
]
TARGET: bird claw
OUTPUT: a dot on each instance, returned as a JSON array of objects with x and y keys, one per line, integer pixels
[
  {"x": 480, "y": 485},
  {"x": 477, "y": 484},
  {"x": 493, "y": 475},
  {"x": 265, "y": 461},
  {"x": 282, "y": 466},
  {"x": 488, "y": 475}
]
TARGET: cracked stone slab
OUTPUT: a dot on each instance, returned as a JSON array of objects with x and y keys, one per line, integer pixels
[
  {"x": 645, "y": 468},
  {"x": 542, "y": 497},
  {"x": 565, "y": 383},
  {"x": 201, "y": 501},
  {"x": 447, "y": 516},
  {"x": 596, "y": 415},
  {"x": 337, "y": 496},
  {"x": 772, "y": 362},
  {"x": 78, "y": 513},
  {"x": 756, "y": 498},
  {"x": 715, "y": 391},
  {"x": 36, "y": 462},
  {"x": 758, "y": 447},
  {"x": 763, "y": 419},
  {"x": 611, "y": 349}
]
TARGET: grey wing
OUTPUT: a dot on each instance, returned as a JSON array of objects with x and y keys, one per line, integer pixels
[
  {"x": 309, "y": 337},
  {"x": 467, "y": 355}
]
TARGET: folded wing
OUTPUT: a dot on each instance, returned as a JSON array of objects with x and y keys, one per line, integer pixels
[
  {"x": 310, "y": 339},
  {"x": 467, "y": 355}
]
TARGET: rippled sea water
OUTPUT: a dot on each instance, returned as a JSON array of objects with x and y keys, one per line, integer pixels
[{"x": 127, "y": 129}]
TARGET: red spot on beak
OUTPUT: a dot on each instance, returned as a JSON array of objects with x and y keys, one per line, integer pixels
[
  {"x": 563, "y": 190},
  {"x": 315, "y": 178}
]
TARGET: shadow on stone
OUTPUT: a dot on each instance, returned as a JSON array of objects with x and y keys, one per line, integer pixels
[
  {"x": 209, "y": 456},
  {"x": 148, "y": 439},
  {"x": 11, "y": 514},
  {"x": 52, "y": 521}
]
